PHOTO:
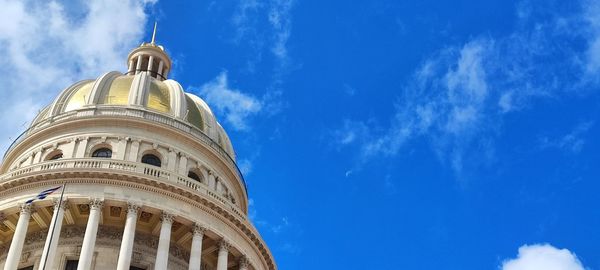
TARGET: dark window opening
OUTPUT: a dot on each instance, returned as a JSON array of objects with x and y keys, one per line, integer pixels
[
  {"x": 151, "y": 159},
  {"x": 194, "y": 176},
  {"x": 26, "y": 268},
  {"x": 57, "y": 156},
  {"x": 102, "y": 153},
  {"x": 71, "y": 265}
]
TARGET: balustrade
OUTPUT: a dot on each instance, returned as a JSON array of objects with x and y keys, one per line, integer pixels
[
  {"x": 135, "y": 113},
  {"x": 126, "y": 166}
]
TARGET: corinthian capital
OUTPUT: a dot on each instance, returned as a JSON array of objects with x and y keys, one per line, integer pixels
[
  {"x": 132, "y": 208},
  {"x": 166, "y": 217},
  {"x": 198, "y": 229},
  {"x": 224, "y": 245},
  {"x": 96, "y": 203},
  {"x": 25, "y": 208}
]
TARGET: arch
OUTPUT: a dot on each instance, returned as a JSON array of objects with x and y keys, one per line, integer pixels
[
  {"x": 54, "y": 155},
  {"x": 196, "y": 174},
  {"x": 103, "y": 152},
  {"x": 151, "y": 159}
]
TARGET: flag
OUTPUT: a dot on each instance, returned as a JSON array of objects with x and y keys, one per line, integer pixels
[{"x": 43, "y": 195}]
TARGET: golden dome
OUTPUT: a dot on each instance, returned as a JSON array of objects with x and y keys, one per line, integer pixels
[
  {"x": 139, "y": 91},
  {"x": 144, "y": 87}
]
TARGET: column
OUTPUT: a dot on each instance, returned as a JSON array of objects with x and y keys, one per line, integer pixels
[
  {"x": 138, "y": 67},
  {"x": 162, "y": 253},
  {"x": 160, "y": 68},
  {"x": 150, "y": 64},
  {"x": 89, "y": 239},
  {"x": 16, "y": 244},
  {"x": 128, "y": 237},
  {"x": 243, "y": 263},
  {"x": 130, "y": 67},
  {"x": 172, "y": 160},
  {"x": 133, "y": 151},
  {"x": 211, "y": 180},
  {"x": 81, "y": 147},
  {"x": 223, "y": 252},
  {"x": 121, "y": 147},
  {"x": 49, "y": 252},
  {"x": 196, "y": 251},
  {"x": 183, "y": 164}
]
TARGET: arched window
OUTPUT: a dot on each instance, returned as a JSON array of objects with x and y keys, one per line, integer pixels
[
  {"x": 102, "y": 153},
  {"x": 194, "y": 176},
  {"x": 151, "y": 159},
  {"x": 56, "y": 156}
]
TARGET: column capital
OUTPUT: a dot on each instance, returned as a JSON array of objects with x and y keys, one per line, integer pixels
[
  {"x": 166, "y": 217},
  {"x": 25, "y": 208},
  {"x": 198, "y": 229},
  {"x": 244, "y": 262},
  {"x": 224, "y": 245},
  {"x": 96, "y": 203},
  {"x": 64, "y": 205},
  {"x": 133, "y": 208}
]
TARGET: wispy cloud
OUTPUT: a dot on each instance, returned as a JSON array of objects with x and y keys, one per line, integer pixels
[
  {"x": 283, "y": 230},
  {"x": 281, "y": 21},
  {"x": 248, "y": 19},
  {"x": 233, "y": 104},
  {"x": 572, "y": 142},
  {"x": 457, "y": 99},
  {"x": 45, "y": 46},
  {"x": 543, "y": 256}
]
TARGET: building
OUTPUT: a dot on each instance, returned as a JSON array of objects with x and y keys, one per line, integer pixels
[{"x": 150, "y": 180}]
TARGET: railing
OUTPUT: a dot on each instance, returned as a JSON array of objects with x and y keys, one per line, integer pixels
[
  {"x": 126, "y": 166},
  {"x": 134, "y": 113}
]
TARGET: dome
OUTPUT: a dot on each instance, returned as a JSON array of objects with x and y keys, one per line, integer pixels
[
  {"x": 146, "y": 174},
  {"x": 140, "y": 91}
]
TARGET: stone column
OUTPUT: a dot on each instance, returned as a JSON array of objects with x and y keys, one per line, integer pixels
[
  {"x": 223, "y": 253},
  {"x": 150, "y": 64},
  {"x": 89, "y": 239},
  {"x": 133, "y": 151},
  {"x": 196, "y": 251},
  {"x": 130, "y": 67},
  {"x": 211, "y": 180},
  {"x": 172, "y": 160},
  {"x": 16, "y": 244},
  {"x": 138, "y": 65},
  {"x": 183, "y": 164},
  {"x": 160, "y": 68},
  {"x": 128, "y": 237},
  {"x": 49, "y": 252},
  {"x": 81, "y": 147},
  {"x": 243, "y": 263},
  {"x": 121, "y": 147},
  {"x": 162, "y": 253}
]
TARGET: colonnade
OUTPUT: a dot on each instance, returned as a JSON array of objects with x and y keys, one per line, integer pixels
[
  {"x": 136, "y": 67},
  {"x": 126, "y": 249}
]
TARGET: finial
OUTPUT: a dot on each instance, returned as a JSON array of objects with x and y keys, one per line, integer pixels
[{"x": 154, "y": 33}]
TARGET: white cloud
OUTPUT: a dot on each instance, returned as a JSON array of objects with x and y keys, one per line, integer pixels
[
  {"x": 543, "y": 257},
  {"x": 247, "y": 20},
  {"x": 46, "y": 46},
  {"x": 457, "y": 99},
  {"x": 245, "y": 166},
  {"x": 572, "y": 142},
  {"x": 280, "y": 19},
  {"x": 236, "y": 106}
]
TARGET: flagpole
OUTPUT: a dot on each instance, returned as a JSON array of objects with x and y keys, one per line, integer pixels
[{"x": 54, "y": 220}]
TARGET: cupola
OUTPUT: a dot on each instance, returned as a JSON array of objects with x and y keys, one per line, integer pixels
[{"x": 151, "y": 58}]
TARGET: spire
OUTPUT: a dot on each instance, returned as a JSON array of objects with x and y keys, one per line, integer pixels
[{"x": 154, "y": 33}]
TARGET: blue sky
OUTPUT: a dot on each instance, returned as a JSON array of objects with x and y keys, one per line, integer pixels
[{"x": 373, "y": 134}]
